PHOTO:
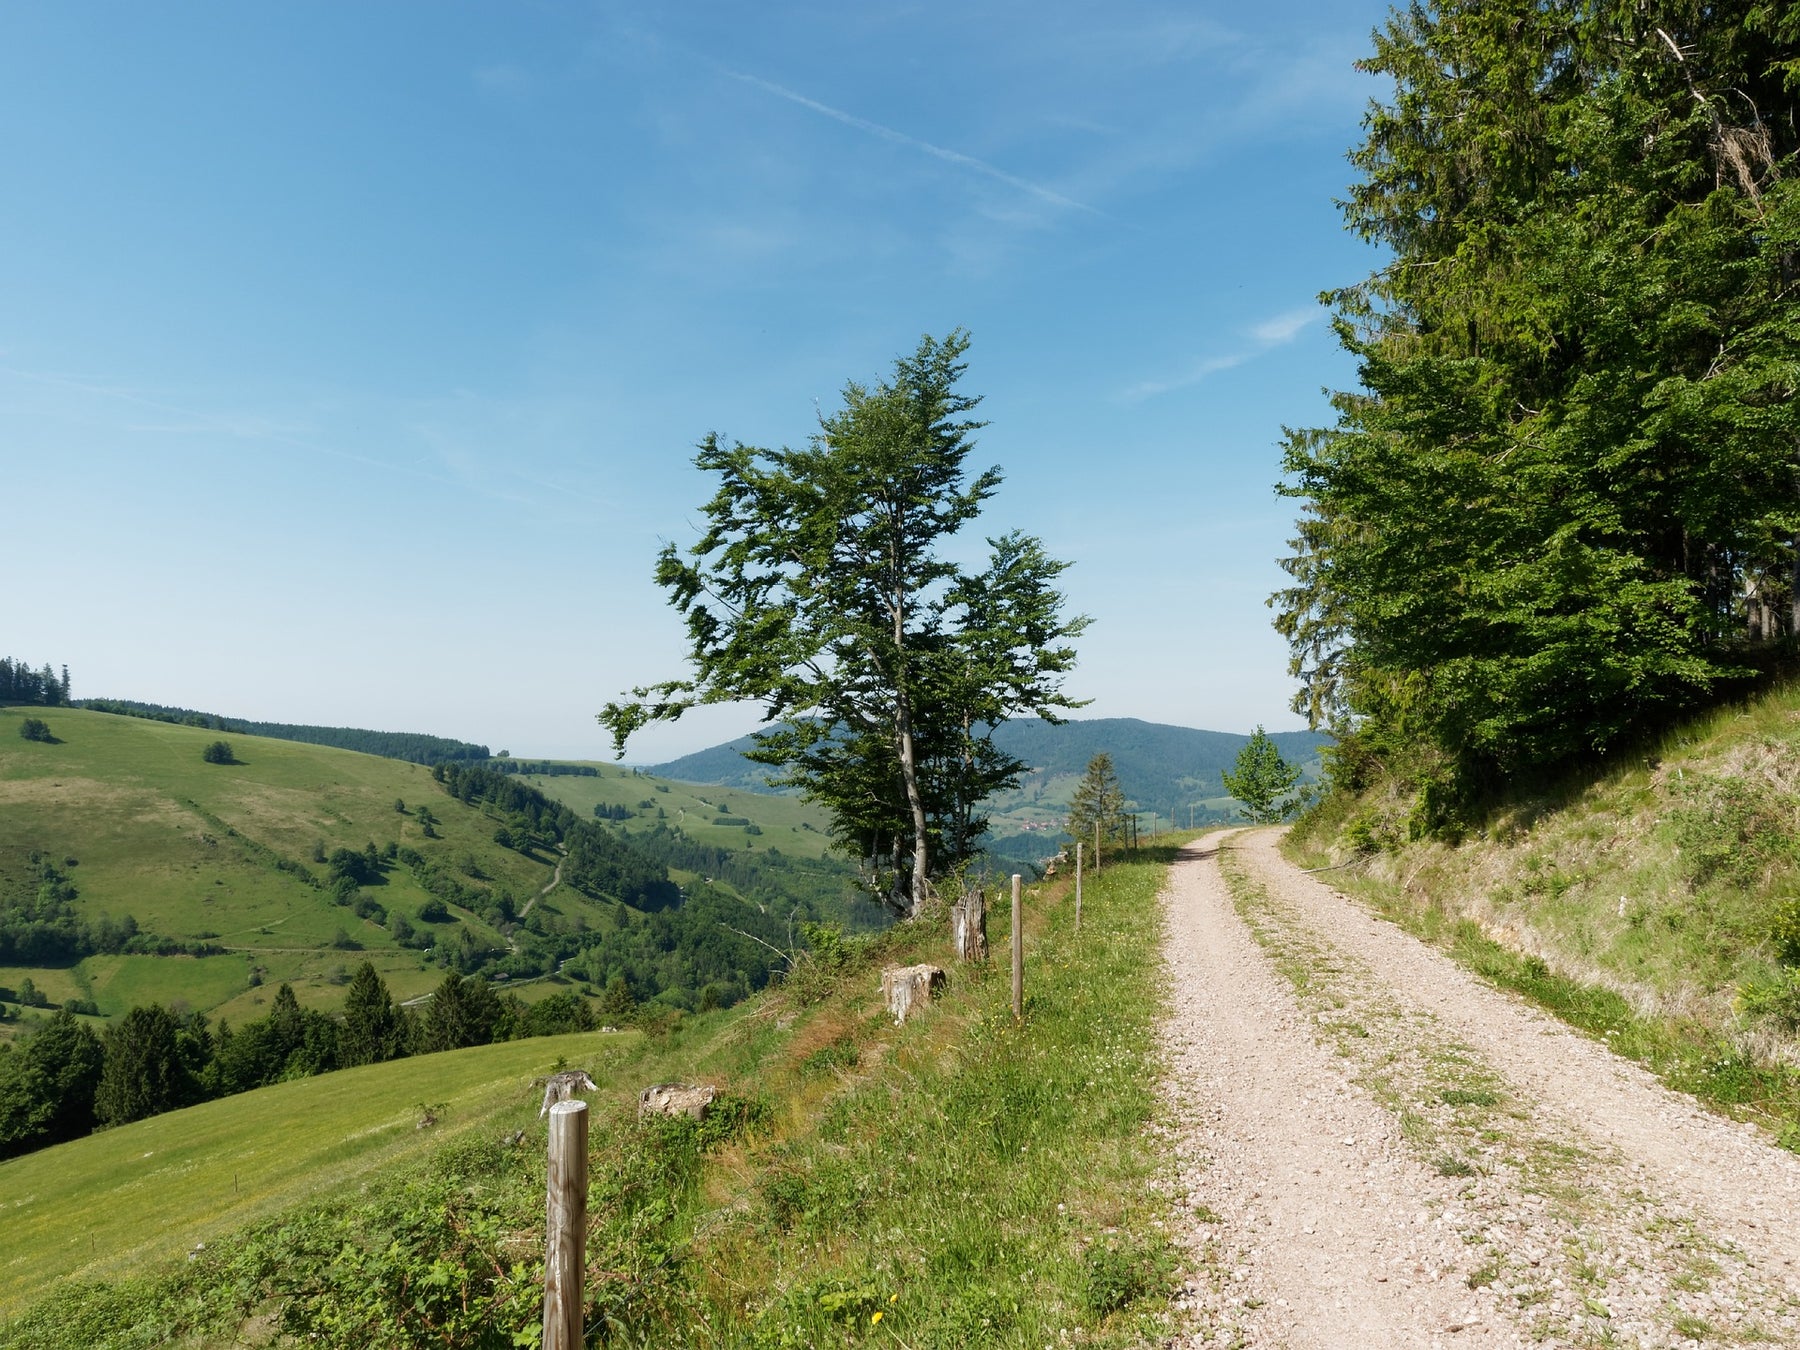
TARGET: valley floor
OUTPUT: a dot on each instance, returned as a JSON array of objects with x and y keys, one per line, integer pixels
[{"x": 1377, "y": 1149}]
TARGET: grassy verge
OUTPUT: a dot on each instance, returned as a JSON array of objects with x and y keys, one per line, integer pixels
[
  {"x": 1693, "y": 1054},
  {"x": 963, "y": 1179}
]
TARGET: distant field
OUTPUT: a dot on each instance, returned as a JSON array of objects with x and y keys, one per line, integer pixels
[
  {"x": 114, "y": 1201},
  {"x": 150, "y": 826},
  {"x": 787, "y": 823}
]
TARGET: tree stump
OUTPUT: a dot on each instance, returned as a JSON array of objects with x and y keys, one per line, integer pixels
[
  {"x": 968, "y": 926},
  {"x": 676, "y": 1099},
  {"x": 909, "y": 988}
]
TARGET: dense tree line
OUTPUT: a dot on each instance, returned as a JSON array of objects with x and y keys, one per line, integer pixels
[
  {"x": 63, "y": 1079},
  {"x": 598, "y": 862},
  {"x": 1563, "y": 502},
  {"x": 412, "y": 746},
  {"x": 40, "y": 925},
  {"x": 19, "y": 683},
  {"x": 544, "y": 768}
]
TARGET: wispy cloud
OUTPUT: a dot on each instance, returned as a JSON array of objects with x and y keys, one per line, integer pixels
[
  {"x": 1273, "y": 332},
  {"x": 1284, "y": 327},
  {"x": 948, "y": 156}
]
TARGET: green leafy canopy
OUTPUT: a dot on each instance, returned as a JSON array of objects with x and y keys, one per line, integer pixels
[
  {"x": 1563, "y": 501},
  {"x": 820, "y": 590}
]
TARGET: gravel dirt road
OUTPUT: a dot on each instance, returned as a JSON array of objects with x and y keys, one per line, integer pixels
[{"x": 1377, "y": 1149}]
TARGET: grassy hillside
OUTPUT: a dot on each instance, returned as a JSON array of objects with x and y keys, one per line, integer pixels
[
  {"x": 1656, "y": 902},
  {"x": 963, "y": 1179},
  {"x": 109, "y": 1204},
  {"x": 209, "y": 853},
  {"x": 783, "y": 822}
]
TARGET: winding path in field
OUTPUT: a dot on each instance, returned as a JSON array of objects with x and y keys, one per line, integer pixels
[{"x": 1374, "y": 1148}]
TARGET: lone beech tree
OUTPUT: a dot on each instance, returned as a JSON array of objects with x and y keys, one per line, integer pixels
[{"x": 820, "y": 590}]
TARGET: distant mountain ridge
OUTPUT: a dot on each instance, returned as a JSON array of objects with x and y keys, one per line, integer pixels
[{"x": 1161, "y": 767}]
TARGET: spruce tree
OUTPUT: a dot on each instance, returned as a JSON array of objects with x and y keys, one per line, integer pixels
[
  {"x": 142, "y": 1072},
  {"x": 1098, "y": 799},
  {"x": 373, "y": 1029}
]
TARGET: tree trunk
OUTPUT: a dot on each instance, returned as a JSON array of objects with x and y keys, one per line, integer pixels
[
  {"x": 1794, "y": 593},
  {"x": 907, "y": 989},
  {"x": 909, "y": 774},
  {"x": 968, "y": 926}
]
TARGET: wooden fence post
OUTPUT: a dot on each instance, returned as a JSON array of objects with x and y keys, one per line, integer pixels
[
  {"x": 1018, "y": 956},
  {"x": 1078, "y": 844},
  {"x": 565, "y": 1254},
  {"x": 1096, "y": 846}
]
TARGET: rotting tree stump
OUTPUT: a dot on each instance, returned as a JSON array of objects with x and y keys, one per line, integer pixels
[
  {"x": 968, "y": 926},
  {"x": 909, "y": 988},
  {"x": 676, "y": 1099}
]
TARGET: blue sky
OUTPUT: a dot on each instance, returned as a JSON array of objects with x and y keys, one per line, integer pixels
[{"x": 352, "y": 357}]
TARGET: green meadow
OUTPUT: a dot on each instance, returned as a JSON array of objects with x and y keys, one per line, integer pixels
[
  {"x": 787, "y": 823},
  {"x": 190, "y": 850},
  {"x": 116, "y": 1201},
  {"x": 966, "y": 1178}
]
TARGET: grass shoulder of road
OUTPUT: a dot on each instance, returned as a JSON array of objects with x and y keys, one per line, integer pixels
[
  {"x": 961, "y": 1179},
  {"x": 1702, "y": 1051}
]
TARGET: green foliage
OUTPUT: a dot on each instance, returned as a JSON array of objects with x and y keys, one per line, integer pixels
[
  {"x": 1775, "y": 1001},
  {"x": 1262, "y": 780},
  {"x": 1733, "y": 828},
  {"x": 19, "y": 683},
  {"x": 374, "y": 1026},
  {"x": 1562, "y": 502},
  {"x": 1121, "y": 1273},
  {"x": 48, "y": 1085},
  {"x": 145, "y": 1071},
  {"x": 219, "y": 752},
  {"x": 974, "y": 1182},
  {"x": 820, "y": 590},
  {"x": 1098, "y": 801},
  {"x": 36, "y": 729}
]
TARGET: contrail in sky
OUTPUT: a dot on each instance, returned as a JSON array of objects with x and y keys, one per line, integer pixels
[{"x": 955, "y": 157}]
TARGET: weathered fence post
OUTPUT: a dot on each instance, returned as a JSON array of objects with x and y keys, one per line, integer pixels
[
  {"x": 1018, "y": 956},
  {"x": 565, "y": 1253},
  {"x": 1078, "y": 844},
  {"x": 1096, "y": 846}
]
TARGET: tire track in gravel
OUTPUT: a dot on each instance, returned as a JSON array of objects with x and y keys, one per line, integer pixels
[
  {"x": 1312, "y": 1223},
  {"x": 1748, "y": 1189},
  {"x": 1594, "y": 1206}
]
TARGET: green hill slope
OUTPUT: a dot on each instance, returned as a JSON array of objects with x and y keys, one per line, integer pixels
[
  {"x": 961, "y": 1179},
  {"x": 134, "y": 871},
  {"x": 1655, "y": 902},
  {"x": 108, "y": 1204},
  {"x": 782, "y": 822},
  {"x": 223, "y": 858}
]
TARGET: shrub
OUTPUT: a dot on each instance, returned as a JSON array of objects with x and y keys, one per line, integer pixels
[
  {"x": 1731, "y": 828},
  {"x": 1118, "y": 1274},
  {"x": 219, "y": 752},
  {"x": 36, "y": 729},
  {"x": 1776, "y": 1002},
  {"x": 1784, "y": 930}
]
